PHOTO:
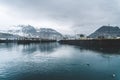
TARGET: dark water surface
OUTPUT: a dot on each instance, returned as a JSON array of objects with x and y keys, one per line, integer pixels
[{"x": 52, "y": 61}]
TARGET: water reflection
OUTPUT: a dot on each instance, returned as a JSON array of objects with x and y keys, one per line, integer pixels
[
  {"x": 52, "y": 61},
  {"x": 104, "y": 50},
  {"x": 42, "y": 47},
  {"x": 100, "y": 49},
  {"x": 6, "y": 46}
]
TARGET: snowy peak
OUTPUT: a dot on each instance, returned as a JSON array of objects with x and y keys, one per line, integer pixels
[
  {"x": 48, "y": 30},
  {"x": 31, "y": 32},
  {"x": 48, "y": 33},
  {"x": 23, "y": 30},
  {"x": 28, "y": 29}
]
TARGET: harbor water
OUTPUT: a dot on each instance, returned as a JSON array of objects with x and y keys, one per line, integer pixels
[{"x": 54, "y": 61}]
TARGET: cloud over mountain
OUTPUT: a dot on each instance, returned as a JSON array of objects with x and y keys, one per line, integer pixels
[{"x": 78, "y": 16}]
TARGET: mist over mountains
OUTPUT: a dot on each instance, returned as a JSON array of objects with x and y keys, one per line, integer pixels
[{"x": 29, "y": 31}]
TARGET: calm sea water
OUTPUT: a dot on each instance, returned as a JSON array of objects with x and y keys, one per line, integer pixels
[{"x": 52, "y": 61}]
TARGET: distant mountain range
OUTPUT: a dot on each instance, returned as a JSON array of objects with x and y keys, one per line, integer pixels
[
  {"x": 7, "y": 35},
  {"x": 31, "y": 32},
  {"x": 107, "y": 32}
]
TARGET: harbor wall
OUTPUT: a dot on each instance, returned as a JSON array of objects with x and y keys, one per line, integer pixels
[{"x": 108, "y": 43}]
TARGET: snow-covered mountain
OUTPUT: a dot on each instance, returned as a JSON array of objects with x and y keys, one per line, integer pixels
[
  {"x": 8, "y": 36},
  {"x": 48, "y": 33},
  {"x": 23, "y": 30},
  {"x": 31, "y": 32}
]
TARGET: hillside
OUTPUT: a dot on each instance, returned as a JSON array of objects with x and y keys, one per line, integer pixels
[{"x": 107, "y": 32}]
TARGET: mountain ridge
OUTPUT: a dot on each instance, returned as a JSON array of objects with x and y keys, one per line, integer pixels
[
  {"x": 32, "y": 32},
  {"x": 107, "y": 32}
]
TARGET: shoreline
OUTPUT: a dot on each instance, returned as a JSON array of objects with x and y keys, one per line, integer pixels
[
  {"x": 26, "y": 41},
  {"x": 100, "y": 43}
]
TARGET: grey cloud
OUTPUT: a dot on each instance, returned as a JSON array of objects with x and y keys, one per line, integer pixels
[{"x": 83, "y": 15}]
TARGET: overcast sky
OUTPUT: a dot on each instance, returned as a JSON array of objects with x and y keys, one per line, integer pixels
[{"x": 66, "y": 16}]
